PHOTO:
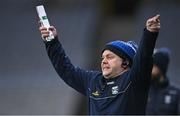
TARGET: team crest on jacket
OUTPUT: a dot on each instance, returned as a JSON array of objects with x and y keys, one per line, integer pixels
[
  {"x": 115, "y": 90},
  {"x": 167, "y": 99}
]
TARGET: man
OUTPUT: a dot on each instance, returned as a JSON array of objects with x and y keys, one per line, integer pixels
[
  {"x": 122, "y": 87},
  {"x": 163, "y": 98}
]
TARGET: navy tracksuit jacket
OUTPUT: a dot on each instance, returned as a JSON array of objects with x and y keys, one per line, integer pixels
[{"x": 125, "y": 94}]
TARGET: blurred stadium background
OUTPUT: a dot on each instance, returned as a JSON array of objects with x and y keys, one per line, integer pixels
[{"x": 28, "y": 81}]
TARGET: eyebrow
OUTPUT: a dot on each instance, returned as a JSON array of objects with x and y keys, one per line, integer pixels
[{"x": 109, "y": 54}]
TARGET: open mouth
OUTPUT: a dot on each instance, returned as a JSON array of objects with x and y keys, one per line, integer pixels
[{"x": 106, "y": 68}]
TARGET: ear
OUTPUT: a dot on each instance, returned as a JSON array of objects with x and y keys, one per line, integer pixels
[{"x": 125, "y": 64}]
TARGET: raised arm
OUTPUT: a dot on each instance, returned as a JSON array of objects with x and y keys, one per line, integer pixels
[
  {"x": 75, "y": 77},
  {"x": 142, "y": 63}
]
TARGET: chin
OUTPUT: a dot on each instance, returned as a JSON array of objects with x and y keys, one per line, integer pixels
[{"x": 106, "y": 75}]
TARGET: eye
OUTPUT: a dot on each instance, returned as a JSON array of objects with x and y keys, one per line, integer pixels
[
  {"x": 107, "y": 57},
  {"x": 110, "y": 57}
]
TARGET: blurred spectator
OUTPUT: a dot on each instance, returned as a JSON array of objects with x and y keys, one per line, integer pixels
[{"x": 163, "y": 97}]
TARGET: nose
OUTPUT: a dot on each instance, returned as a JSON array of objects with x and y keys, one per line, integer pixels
[{"x": 104, "y": 61}]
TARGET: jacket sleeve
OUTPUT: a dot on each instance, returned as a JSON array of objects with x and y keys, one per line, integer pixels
[
  {"x": 74, "y": 76},
  {"x": 143, "y": 61}
]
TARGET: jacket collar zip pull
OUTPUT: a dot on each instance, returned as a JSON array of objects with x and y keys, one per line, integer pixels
[{"x": 110, "y": 83}]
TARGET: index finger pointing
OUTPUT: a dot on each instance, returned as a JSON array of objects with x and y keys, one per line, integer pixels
[{"x": 157, "y": 17}]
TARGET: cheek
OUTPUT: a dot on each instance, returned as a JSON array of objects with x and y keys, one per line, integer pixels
[
  {"x": 116, "y": 64},
  {"x": 155, "y": 71},
  {"x": 117, "y": 68}
]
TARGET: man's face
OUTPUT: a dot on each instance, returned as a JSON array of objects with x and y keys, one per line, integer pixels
[
  {"x": 157, "y": 76},
  {"x": 156, "y": 72},
  {"x": 111, "y": 64}
]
